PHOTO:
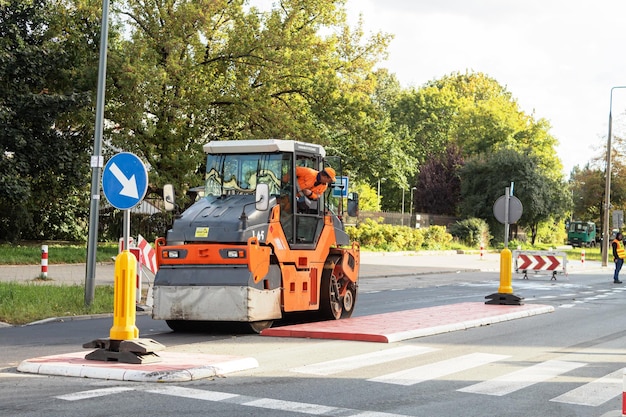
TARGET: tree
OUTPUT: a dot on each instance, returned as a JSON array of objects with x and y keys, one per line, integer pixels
[
  {"x": 438, "y": 189},
  {"x": 43, "y": 105},
  {"x": 474, "y": 113},
  {"x": 194, "y": 71},
  {"x": 484, "y": 179}
]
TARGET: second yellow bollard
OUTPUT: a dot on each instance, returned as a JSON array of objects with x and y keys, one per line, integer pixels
[
  {"x": 124, "y": 312},
  {"x": 506, "y": 274},
  {"x": 505, "y": 291}
]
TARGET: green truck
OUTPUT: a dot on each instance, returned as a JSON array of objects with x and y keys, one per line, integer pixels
[{"x": 582, "y": 234}]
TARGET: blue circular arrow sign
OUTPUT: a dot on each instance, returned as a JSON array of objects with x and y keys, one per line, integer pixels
[{"x": 124, "y": 180}]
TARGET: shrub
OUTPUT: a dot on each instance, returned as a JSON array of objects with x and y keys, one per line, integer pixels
[
  {"x": 376, "y": 236},
  {"x": 472, "y": 232},
  {"x": 436, "y": 238}
]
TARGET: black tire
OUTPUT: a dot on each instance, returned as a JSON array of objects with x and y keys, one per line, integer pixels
[
  {"x": 184, "y": 326},
  {"x": 349, "y": 301},
  {"x": 259, "y": 326},
  {"x": 330, "y": 307}
]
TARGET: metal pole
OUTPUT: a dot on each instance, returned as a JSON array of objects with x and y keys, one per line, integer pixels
[
  {"x": 126, "y": 227},
  {"x": 606, "y": 233},
  {"x": 402, "y": 222},
  {"x": 506, "y": 217},
  {"x": 411, "y": 209},
  {"x": 96, "y": 160}
]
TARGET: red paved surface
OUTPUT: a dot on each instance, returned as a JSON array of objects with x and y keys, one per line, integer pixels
[{"x": 401, "y": 325}]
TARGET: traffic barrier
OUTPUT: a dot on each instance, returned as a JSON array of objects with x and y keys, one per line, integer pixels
[
  {"x": 624, "y": 393},
  {"x": 582, "y": 257},
  {"x": 44, "y": 261},
  {"x": 482, "y": 252},
  {"x": 146, "y": 266},
  {"x": 552, "y": 262}
]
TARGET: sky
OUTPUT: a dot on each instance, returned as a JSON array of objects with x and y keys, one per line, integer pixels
[{"x": 559, "y": 59}]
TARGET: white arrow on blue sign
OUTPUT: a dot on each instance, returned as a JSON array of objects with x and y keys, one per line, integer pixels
[{"x": 124, "y": 180}]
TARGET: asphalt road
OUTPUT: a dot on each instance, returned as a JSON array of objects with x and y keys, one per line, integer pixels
[{"x": 566, "y": 363}]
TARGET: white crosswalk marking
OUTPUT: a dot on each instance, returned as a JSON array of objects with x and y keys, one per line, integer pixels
[
  {"x": 83, "y": 395},
  {"x": 592, "y": 394},
  {"x": 523, "y": 378},
  {"x": 596, "y": 392},
  {"x": 436, "y": 370},
  {"x": 267, "y": 403},
  {"x": 366, "y": 359}
]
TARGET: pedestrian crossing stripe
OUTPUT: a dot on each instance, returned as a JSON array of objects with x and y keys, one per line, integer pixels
[
  {"x": 357, "y": 361},
  {"x": 438, "y": 369},
  {"x": 267, "y": 403},
  {"x": 523, "y": 378},
  {"x": 596, "y": 392}
]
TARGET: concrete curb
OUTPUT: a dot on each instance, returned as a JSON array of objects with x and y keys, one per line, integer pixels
[
  {"x": 174, "y": 367},
  {"x": 410, "y": 324}
]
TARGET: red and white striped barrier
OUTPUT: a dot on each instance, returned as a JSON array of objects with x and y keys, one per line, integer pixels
[
  {"x": 482, "y": 252},
  {"x": 624, "y": 394},
  {"x": 582, "y": 257},
  {"x": 540, "y": 261},
  {"x": 146, "y": 264},
  {"x": 44, "y": 261}
]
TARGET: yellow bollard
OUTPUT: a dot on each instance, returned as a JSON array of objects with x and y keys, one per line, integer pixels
[
  {"x": 506, "y": 274},
  {"x": 124, "y": 298}
]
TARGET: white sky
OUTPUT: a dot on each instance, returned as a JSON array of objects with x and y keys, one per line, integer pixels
[{"x": 558, "y": 58}]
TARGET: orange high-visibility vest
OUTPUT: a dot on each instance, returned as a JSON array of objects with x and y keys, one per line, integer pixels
[{"x": 621, "y": 253}]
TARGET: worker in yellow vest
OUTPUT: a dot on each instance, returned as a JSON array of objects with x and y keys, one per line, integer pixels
[{"x": 618, "y": 256}]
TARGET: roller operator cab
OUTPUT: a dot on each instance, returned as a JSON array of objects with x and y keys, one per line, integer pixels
[{"x": 251, "y": 250}]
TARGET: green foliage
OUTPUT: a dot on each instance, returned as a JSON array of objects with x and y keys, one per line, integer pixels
[
  {"x": 368, "y": 199},
  {"x": 436, "y": 238},
  {"x": 212, "y": 70},
  {"x": 473, "y": 232},
  {"x": 44, "y": 142},
  {"x": 376, "y": 236},
  {"x": 552, "y": 232},
  {"x": 543, "y": 197}
]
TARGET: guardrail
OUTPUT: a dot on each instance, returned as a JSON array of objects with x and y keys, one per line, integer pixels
[{"x": 540, "y": 261}]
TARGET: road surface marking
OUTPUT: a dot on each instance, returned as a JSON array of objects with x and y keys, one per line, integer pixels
[
  {"x": 359, "y": 361},
  {"x": 83, "y": 395},
  {"x": 523, "y": 378},
  {"x": 267, "y": 403},
  {"x": 595, "y": 393},
  {"x": 438, "y": 369}
]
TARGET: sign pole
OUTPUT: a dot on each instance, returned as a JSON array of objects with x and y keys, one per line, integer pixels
[
  {"x": 124, "y": 183},
  {"x": 96, "y": 160},
  {"x": 507, "y": 199},
  {"x": 126, "y": 227}
]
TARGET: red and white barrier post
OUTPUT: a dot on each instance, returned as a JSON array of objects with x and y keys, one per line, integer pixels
[
  {"x": 44, "y": 261},
  {"x": 482, "y": 252},
  {"x": 624, "y": 394},
  {"x": 582, "y": 257}
]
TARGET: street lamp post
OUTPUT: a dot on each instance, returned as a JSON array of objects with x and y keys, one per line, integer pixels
[
  {"x": 607, "y": 189},
  {"x": 402, "y": 218},
  {"x": 411, "y": 209},
  {"x": 378, "y": 194}
]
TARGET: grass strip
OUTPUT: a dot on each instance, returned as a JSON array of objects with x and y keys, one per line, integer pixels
[
  {"x": 22, "y": 303},
  {"x": 58, "y": 253}
]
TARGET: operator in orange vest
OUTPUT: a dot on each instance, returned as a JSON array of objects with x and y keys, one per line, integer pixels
[
  {"x": 618, "y": 256},
  {"x": 311, "y": 183}
]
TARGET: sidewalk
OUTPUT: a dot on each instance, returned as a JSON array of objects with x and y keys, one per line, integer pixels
[{"x": 373, "y": 265}]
